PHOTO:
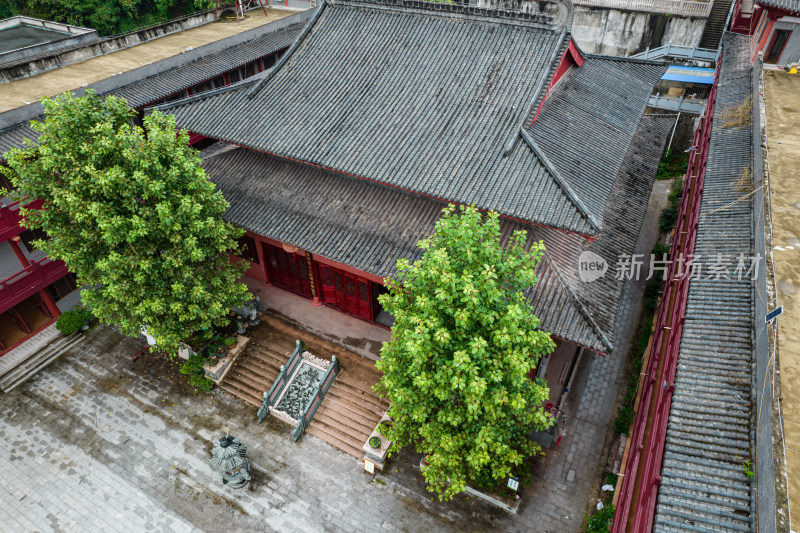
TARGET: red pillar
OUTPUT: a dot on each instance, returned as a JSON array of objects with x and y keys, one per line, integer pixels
[
  {"x": 262, "y": 260},
  {"x": 316, "y": 301},
  {"x": 43, "y": 294},
  {"x": 55, "y": 312},
  {"x": 14, "y": 243}
]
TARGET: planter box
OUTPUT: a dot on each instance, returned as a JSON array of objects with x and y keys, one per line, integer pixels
[
  {"x": 378, "y": 455},
  {"x": 216, "y": 372}
]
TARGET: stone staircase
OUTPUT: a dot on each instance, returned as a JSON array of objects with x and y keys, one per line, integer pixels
[
  {"x": 347, "y": 415},
  {"x": 33, "y": 355},
  {"x": 715, "y": 24}
]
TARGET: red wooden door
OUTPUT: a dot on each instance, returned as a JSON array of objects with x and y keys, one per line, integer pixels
[
  {"x": 286, "y": 270},
  {"x": 351, "y": 300},
  {"x": 364, "y": 299},
  {"x": 346, "y": 291},
  {"x": 326, "y": 281},
  {"x": 338, "y": 284}
]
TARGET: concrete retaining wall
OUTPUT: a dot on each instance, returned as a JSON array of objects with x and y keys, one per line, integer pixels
[
  {"x": 48, "y": 61},
  {"x": 621, "y": 33}
]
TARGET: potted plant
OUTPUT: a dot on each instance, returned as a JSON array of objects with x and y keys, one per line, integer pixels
[
  {"x": 221, "y": 351},
  {"x": 213, "y": 360},
  {"x": 230, "y": 342},
  {"x": 375, "y": 442}
]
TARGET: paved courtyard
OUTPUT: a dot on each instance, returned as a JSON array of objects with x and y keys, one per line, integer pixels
[{"x": 96, "y": 442}]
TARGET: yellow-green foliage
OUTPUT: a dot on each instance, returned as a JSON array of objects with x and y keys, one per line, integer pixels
[{"x": 463, "y": 342}]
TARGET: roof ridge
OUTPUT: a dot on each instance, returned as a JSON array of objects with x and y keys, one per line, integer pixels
[
  {"x": 205, "y": 94},
  {"x": 627, "y": 59},
  {"x": 561, "y": 182},
  {"x": 537, "y": 94},
  {"x": 582, "y": 308},
  {"x": 495, "y": 14},
  {"x": 288, "y": 53}
]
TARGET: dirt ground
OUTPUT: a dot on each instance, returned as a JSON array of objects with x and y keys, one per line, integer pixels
[
  {"x": 783, "y": 136},
  {"x": 22, "y": 92}
]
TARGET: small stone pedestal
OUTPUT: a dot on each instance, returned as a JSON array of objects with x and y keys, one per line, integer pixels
[
  {"x": 378, "y": 455},
  {"x": 216, "y": 372}
]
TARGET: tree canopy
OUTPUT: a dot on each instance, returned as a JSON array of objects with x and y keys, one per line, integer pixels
[
  {"x": 108, "y": 17},
  {"x": 463, "y": 341},
  {"x": 132, "y": 214}
]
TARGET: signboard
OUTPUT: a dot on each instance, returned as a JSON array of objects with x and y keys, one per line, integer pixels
[
  {"x": 773, "y": 314},
  {"x": 513, "y": 483},
  {"x": 369, "y": 467}
]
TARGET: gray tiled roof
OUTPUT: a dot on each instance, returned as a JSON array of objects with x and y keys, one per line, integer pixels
[
  {"x": 623, "y": 216},
  {"x": 703, "y": 486},
  {"x": 364, "y": 225},
  {"x": 788, "y": 5},
  {"x": 417, "y": 99},
  {"x": 588, "y": 122},
  {"x": 172, "y": 75},
  {"x": 369, "y": 226}
]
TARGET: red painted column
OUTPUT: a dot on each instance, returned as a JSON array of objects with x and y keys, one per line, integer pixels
[
  {"x": 262, "y": 259},
  {"x": 43, "y": 294},
  {"x": 14, "y": 243},
  {"x": 316, "y": 301}
]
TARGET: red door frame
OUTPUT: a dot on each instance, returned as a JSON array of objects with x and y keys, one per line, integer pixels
[
  {"x": 348, "y": 289},
  {"x": 288, "y": 270},
  {"x": 768, "y": 49}
]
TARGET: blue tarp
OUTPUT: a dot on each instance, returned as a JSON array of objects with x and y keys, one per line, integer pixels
[{"x": 689, "y": 74}]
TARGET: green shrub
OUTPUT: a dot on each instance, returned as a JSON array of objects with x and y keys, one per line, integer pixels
[
  {"x": 675, "y": 192},
  {"x": 667, "y": 219},
  {"x": 193, "y": 367},
  {"x": 624, "y": 419},
  {"x": 600, "y": 522},
  {"x": 672, "y": 164},
  {"x": 71, "y": 321},
  {"x": 659, "y": 250}
]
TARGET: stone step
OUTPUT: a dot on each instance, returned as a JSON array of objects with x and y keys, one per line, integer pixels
[
  {"x": 242, "y": 394},
  {"x": 240, "y": 387},
  {"x": 348, "y": 413},
  {"x": 37, "y": 361},
  {"x": 333, "y": 414},
  {"x": 335, "y": 437},
  {"x": 351, "y": 409},
  {"x": 256, "y": 366},
  {"x": 265, "y": 354},
  {"x": 359, "y": 397},
  {"x": 256, "y": 371}
]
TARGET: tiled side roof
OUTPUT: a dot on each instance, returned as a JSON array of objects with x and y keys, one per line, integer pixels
[
  {"x": 588, "y": 121},
  {"x": 166, "y": 77},
  {"x": 703, "y": 486},
  {"x": 363, "y": 225},
  {"x": 147, "y": 90},
  {"x": 624, "y": 215},
  {"x": 420, "y": 100},
  {"x": 13, "y": 137},
  {"x": 788, "y": 5}
]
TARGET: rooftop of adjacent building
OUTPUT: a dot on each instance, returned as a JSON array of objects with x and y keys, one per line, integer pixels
[
  {"x": 25, "y": 91},
  {"x": 781, "y": 92}
]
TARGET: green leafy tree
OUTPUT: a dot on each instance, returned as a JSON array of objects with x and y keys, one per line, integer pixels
[
  {"x": 463, "y": 342},
  {"x": 132, "y": 214}
]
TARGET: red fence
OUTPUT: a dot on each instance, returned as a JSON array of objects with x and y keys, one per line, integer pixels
[
  {"x": 642, "y": 474},
  {"x": 29, "y": 281}
]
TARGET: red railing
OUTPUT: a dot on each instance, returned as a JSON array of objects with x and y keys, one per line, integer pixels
[
  {"x": 29, "y": 281},
  {"x": 10, "y": 219},
  {"x": 637, "y": 500}
]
